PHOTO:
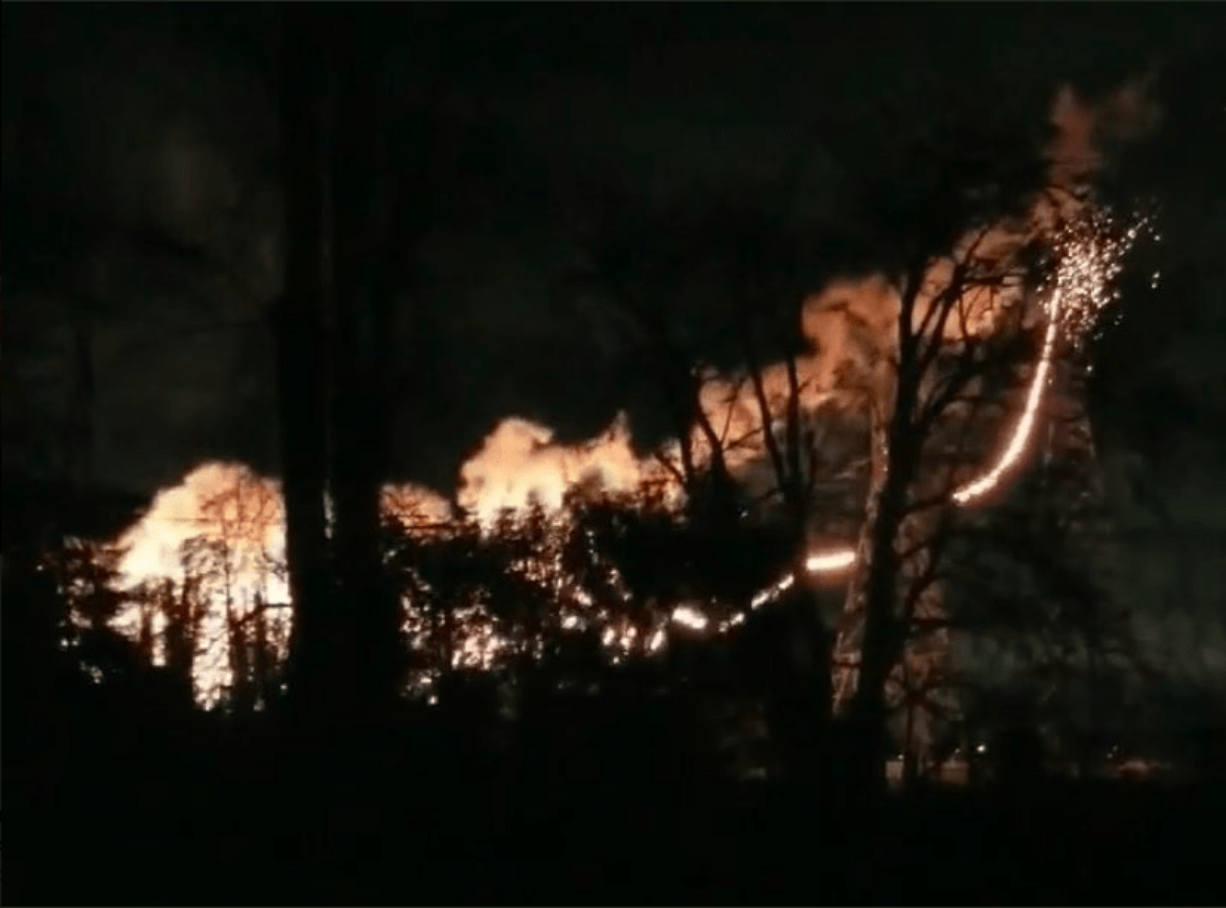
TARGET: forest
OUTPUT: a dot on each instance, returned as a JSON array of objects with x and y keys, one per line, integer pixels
[{"x": 827, "y": 604}]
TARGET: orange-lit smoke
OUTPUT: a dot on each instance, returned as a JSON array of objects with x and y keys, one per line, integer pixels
[
  {"x": 1089, "y": 251},
  {"x": 1083, "y": 130},
  {"x": 519, "y": 462},
  {"x": 852, "y": 326}
]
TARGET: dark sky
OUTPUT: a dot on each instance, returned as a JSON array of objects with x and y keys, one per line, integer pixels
[{"x": 140, "y": 202}]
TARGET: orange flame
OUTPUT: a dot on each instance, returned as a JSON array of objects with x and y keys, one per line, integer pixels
[{"x": 852, "y": 325}]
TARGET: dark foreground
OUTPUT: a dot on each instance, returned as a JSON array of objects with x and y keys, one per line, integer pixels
[{"x": 283, "y": 832}]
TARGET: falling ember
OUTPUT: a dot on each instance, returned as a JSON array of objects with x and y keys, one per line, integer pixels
[
  {"x": 1021, "y": 435},
  {"x": 772, "y": 592},
  {"x": 823, "y": 562},
  {"x": 1090, "y": 259},
  {"x": 734, "y": 620},
  {"x": 480, "y": 648},
  {"x": 657, "y": 641},
  {"x": 688, "y": 616}
]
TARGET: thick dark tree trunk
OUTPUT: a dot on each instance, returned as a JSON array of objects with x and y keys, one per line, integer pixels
[
  {"x": 300, "y": 361},
  {"x": 369, "y": 247},
  {"x": 367, "y": 606}
]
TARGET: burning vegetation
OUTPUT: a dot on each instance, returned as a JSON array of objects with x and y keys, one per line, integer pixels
[
  {"x": 436, "y": 444},
  {"x": 550, "y": 546},
  {"x": 835, "y": 456}
]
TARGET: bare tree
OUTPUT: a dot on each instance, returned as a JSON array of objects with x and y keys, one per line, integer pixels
[
  {"x": 711, "y": 287},
  {"x": 1029, "y": 586},
  {"x": 974, "y": 246},
  {"x": 766, "y": 271}
]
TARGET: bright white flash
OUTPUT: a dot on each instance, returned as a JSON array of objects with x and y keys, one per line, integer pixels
[
  {"x": 690, "y": 617},
  {"x": 830, "y": 561}
]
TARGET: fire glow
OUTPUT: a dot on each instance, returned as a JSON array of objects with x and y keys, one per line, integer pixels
[
  {"x": 1091, "y": 253},
  {"x": 230, "y": 505},
  {"x": 521, "y": 463}
]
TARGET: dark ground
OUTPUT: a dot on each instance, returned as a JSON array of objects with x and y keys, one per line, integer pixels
[
  {"x": 364, "y": 833},
  {"x": 115, "y": 797}
]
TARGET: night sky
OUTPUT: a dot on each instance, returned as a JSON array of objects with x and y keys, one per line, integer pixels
[{"x": 140, "y": 220}]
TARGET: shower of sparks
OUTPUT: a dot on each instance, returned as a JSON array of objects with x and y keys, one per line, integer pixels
[
  {"x": 479, "y": 648},
  {"x": 1090, "y": 253},
  {"x": 1090, "y": 258},
  {"x": 241, "y": 517},
  {"x": 1021, "y": 434}
]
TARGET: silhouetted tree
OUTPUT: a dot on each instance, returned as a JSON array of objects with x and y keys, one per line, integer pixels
[
  {"x": 711, "y": 288},
  {"x": 640, "y": 257},
  {"x": 1028, "y": 590},
  {"x": 389, "y": 171},
  {"x": 299, "y": 328},
  {"x": 935, "y": 225},
  {"x": 768, "y": 260}
]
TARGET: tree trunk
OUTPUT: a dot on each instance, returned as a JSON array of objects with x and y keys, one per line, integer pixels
[
  {"x": 367, "y": 608},
  {"x": 874, "y": 597},
  {"x": 815, "y": 693},
  {"x": 867, "y": 708},
  {"x": 367, "y": 261},
  {"x": 797, "y": 683},
  {"x": 300, "y": 361},
  {"x": 910, "y": 766},
  {"x": 261, "y": 658}
]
